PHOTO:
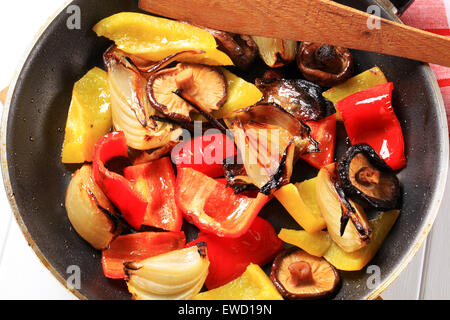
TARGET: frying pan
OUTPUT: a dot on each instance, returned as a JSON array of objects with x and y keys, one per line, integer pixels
[{"x": 35, "y": 179}]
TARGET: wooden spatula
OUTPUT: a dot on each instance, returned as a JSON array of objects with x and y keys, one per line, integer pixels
[{"x": 320, "y": 21}]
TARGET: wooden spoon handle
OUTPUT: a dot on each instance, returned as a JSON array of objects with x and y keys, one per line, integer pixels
[{"x": 320, "y": 21}]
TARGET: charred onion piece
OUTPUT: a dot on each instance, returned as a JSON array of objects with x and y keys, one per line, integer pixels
[
  {"x": 337, "y": 210},
  {"x": 236, "y": 175},
  {"x": 269, "y": 140},
  {"x": 201, "y": 85},
  {"x": 90, "y": 212},
  {"x": 366, "y": 177},
  {"x": 300, "y": 98},
  {"x": 240, "y": 48},
  {"x": 299, "y": 275},
  {"x": 273, "y": 115},
  {"x": 323, "y": 64},
  {"x": 131, "y": 110},
  {"x": 276, "y": 52}
]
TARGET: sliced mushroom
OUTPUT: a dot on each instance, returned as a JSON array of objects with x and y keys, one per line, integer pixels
[
  {"x": 299, "y": 275},
  {"x": 174, "y": 91},
  {"x": 323, "y": 64},
  {"x": 366, "y": 177},
  {"x": 300, "y": 98},
  {"x": 131, "y": 110},
  {"x": 276, "y": 52}
]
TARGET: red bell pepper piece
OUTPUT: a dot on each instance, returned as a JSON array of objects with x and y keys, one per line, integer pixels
[
  {"x": 230, "y": 257},
  {"x": 156, "y": 182},
  {"x": 324, "y": 132},
  {"x": 213, "y": 207},
  {"x": 116, "y": 187},
  {"x": 369, "y": 117},
  {"x": 136, "y": 247},
  {"x": 204, "y": 153}
]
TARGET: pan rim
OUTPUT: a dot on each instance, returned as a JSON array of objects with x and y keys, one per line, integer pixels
[{"x": 420, "y": 238}]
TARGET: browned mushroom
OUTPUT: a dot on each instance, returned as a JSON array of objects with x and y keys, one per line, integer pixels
[
  {"x": 240, "y": 48},
  {"x": 175, "y": 91},
  {"x": 367, "y": 178},
  {"x": 300, "y": 98},
  {"x": 323, "y": 64},
  {"x": 299, "y": 275}
]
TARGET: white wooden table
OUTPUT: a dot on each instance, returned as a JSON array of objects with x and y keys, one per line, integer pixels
[{"x": 22, "y": 276}]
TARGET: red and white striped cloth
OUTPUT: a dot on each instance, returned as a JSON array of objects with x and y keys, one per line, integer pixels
[{"x": 433, "y": 16}]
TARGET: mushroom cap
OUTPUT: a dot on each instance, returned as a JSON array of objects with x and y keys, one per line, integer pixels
[
  {"x": 324, "y": 65},
  {"x": 204, "y": 86},
  {"x": 366, "y": 177},
  {"x": 318, "y": 280}
]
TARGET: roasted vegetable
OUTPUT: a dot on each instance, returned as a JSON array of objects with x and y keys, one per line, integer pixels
[
  {"x": 299, "y": 205},
  {"x": 324, "y": 132},
  {"x": 316, "y": 244},
  {"x": 365, "y": 177},
  {"x": 323, "y": 64},
  {"x": 299, "y": 275},
  {"x": 276, "y": 52},
  {"x": 370, "y": 118},
  {"x": 253, "y": 284},
  {"x": 300, "y": 98},
  {"x": 337, "y": 211},
  {"x": 131, "y": 110},
  {"x": 269, "y": 140},
  {"x": 155, "y": 181},
  {"x": 203, "y": 86},
  {"x": 241, "y": 94},
  {"x": 240, "y": 48},
  {"x": 204, "y": 153},
  {"x": 356, "y": 260},
  {"x": 230, "y": 257},
  {"x": 360, "y": 82},
  {"x": 89, "y": 117},
  {"x": 213, "y": 207},
  {"x": 119, "y": 190},
  {"x": 176, "y": 275},
  {"x": 89, "y": 211},
  {"x": 236, "y": 175},
  {"x": 136, "y": 247},
  {"x": 154, "y": 38}
]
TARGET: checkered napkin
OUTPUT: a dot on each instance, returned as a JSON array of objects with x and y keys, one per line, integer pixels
[{"x": 433, "y": 16}]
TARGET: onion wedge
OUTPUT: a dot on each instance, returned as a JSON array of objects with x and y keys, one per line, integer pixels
[
  {"x": 270, "y": 140},
  {"x": 131, "y": 110},
  {"x": 176, "y": 275},
  {"x": 89, "y": 210}
]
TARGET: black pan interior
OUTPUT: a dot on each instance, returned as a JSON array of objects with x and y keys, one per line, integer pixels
[{"x": 35, "y": 132}]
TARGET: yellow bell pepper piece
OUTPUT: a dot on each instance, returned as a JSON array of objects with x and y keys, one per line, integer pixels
[
  {"x": 358, "y": 259},
  {"x": 253, "y": 284},
  {"x": 241, "y": 94},
  {"x": 153, "y": 38},
  {"x": 89, "y": 117},
  {"x": 362, "y": 81},
  {"x": 316, "y": 244},
  {"x": 301, "y": 206}
]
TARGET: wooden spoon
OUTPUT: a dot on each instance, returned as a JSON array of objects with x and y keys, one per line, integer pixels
[{"x": 321, "y": 21}]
